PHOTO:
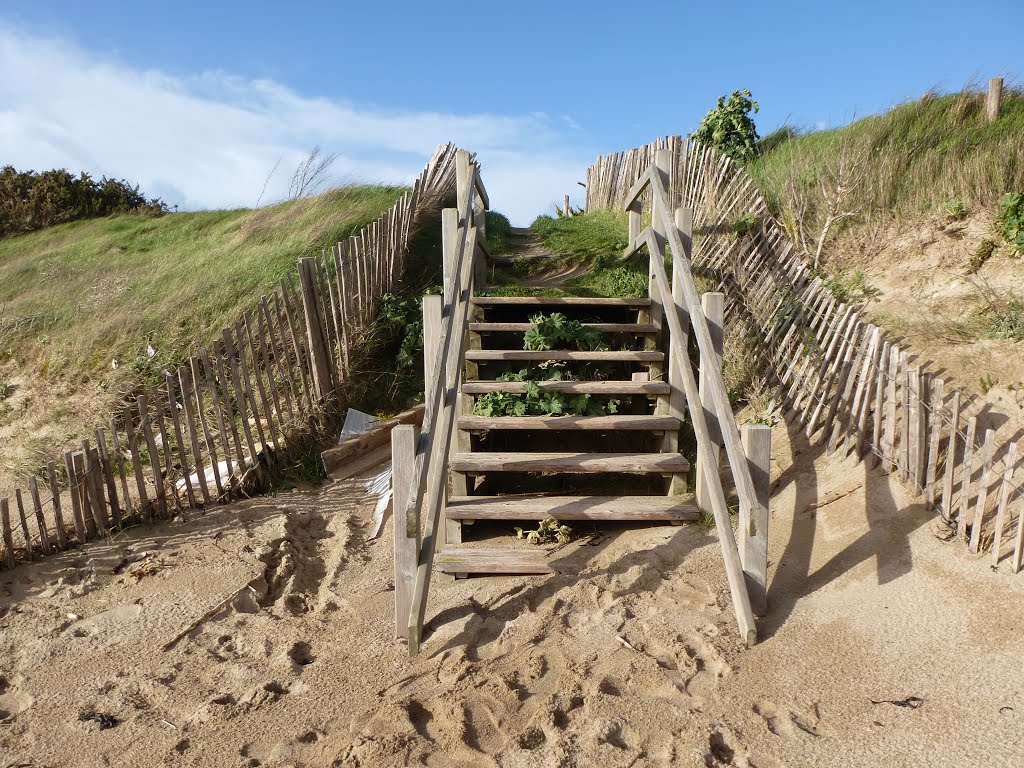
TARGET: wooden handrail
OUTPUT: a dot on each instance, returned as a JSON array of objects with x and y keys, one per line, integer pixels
[
  {"x": 429, "y": 478},
  {"x": 637, "y": 189}
]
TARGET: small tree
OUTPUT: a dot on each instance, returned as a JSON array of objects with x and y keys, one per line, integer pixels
[{"x": 729, "y": 127}]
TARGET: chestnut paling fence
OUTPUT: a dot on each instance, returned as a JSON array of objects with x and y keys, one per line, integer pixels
[
  {"x": 214, "y": 426},
  {"x": 853, "y": 389}
]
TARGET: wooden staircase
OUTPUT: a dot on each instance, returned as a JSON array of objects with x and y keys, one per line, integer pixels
[
  {"x": 495, "y": 462},
  {"x": 625, "y": 466}
]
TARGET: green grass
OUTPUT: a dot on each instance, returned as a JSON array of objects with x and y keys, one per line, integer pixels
[
  {"x": 916, "y": 158},
  {"x": 588, "y": 237},
  {"x": 76, "y": 296},
  {"x": 1008, "y": 323},
  {"x": 498, "y": 231}
]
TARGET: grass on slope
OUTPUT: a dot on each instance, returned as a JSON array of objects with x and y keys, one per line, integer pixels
[
  {"x": 75, "y": 296},
  {"x": 920, "y": 156}
]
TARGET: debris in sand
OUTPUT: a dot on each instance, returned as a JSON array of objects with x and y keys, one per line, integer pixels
[
  {"x": 911, "y": 702},
  {"x": 209, "y": 614},
  {"x": 105, "y": 721},
  {"x": 830, "y": 498},
  {"x": 148, "y": 566}
]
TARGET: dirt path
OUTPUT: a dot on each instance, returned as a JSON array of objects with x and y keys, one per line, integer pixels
[{"x": 633, "y": 661}]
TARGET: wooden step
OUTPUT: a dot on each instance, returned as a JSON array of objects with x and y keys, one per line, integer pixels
[
  {"x": 635, "y": 328},
  {"x": 513, "y": 561},
  {"x": 572, "y": 387},
  {"x": 559, "y": 301},
  {"x": 623, "y": 422},
  {"x": 529, "y": 507},
  {"x": 571, "y": 463},
  {"x": 620, "y": 356},
  {"x": 521, "y": 232}
]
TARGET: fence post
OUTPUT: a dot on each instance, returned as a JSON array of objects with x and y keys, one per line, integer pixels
[
  {"x": 322, "y": 384},
  {"x": 407, "y": 529},
  {"x": 713, "y": 305},
  {"x": 753, "y": 524},
  {"x": 995, "y": 97},
  {"x": 565, "y": 206}
]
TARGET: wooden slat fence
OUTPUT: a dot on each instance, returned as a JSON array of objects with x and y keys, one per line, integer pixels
[
  {"x": 852, "y": 387},
  {"x": 214, "y": 426}
]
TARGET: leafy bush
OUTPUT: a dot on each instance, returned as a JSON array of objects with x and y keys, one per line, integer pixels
[
  {"x": 534, "y": 402},
  {"x": 729, "y": 127},
  {"x": 556, "y": 331},
  {"x": 1009, "y": 322},
  {"x": 1011, "y": 221},
  {"x": 851, "y": 287},
  {"x": 31, "y": 200},
  {"x": 6, "y": 388},
  {"x": 956, "y": 210}
]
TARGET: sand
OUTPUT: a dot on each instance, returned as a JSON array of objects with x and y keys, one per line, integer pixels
[{"x": 633, "y": 661}]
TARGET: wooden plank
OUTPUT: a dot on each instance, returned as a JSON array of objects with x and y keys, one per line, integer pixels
[
  {"x": 1018, "y": 547},
  {"x": 126, "y": 497},
  {"x": 494, "y": 561},
  {"x": 753, "y": 528},
  {"x": 723, "y": 409},
  {"x": 834, "y": 371},
  {"x": 37, "y": 506},
  {"x": 632, "y": 328},
  {"x": 62, "y": 536},
  {"x": 240, "y": 396},
  {"x": 458, "y": 441},
  {"x": 841, "y": 407},
  {"x": 933, "y": 442},
  {"x": 188, "y": 387},
  {"x": 279, "y": 355},
  {"x": 950, "y": 457},
  {"x": 891, "y": 403},
  {"x": 903, "y": 454},
  {"x": 967, "y": 469},
  {"x": 558, "y": 301},
  {"x": 79, "y": 490},
  {"x": 915, "y": 431},
  {"x": 988, "y": 451},
  {"x": 377, "y": 436},
  {"x": 140, "y": 478},
  {"x": 624, "y": 356},
  {"x": 246, "y": 376},
  {"x": 252, "y": 373},
  {"x": 26, "y": 534},
  {"x": 633, "y": 463},
  {"x": 406, "y": 522},
  {"x": 1004, "y": 499},
  {"x": 624, "y": 422},
  {"x": 179, "y": 439},
  {"x": 538, "y": 507},
  {"x": 268, "y": 361},
  {"x": 226, "y": 422},
  {"x": 107, "y": 474},
  {"x": 651, "y": 388},
  {"x": 5, "y": 520},
  {"x": 307, "y": 389},
  {"x": 713, "y": 304},
  {"x": 154, "y": 458},
  {"x": 99, "y": 503}
]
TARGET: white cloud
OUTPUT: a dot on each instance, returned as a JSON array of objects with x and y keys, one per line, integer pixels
[{"x": 209, "y": 141}]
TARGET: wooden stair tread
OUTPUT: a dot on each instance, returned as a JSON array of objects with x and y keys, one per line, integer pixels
[
  {"x": 573, "y": 387},
  {"x": 634, "y": 356},
  {"x": 528, "y": 507},
  {"x": 559, "y": 301},
  {"x": 623, "y": 422},
  {"x": 604, "y": 327},
  {"x": 492, "y": 560},
  {"x": 574, "y": 463}
]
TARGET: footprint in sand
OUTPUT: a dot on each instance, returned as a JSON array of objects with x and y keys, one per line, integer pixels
[{"x": 13, "y": 701}]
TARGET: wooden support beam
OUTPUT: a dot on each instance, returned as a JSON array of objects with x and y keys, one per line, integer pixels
[
  {"x": 967, "y": 469},
  {"x": 713, "y": 305},
  {"x": 753, "y": 526},
  {"x": 321, "y": 365},
  {"x": 950, "y": 457},
  {"x": 406, "y": 523}
]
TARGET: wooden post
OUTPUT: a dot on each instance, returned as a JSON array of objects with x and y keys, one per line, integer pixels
[
  {"x": 950, "y": 459},
  {"x": 915, "y": 430},
  {"x": 1004, "y": 499},
  {"x": 565, "y": 206},
  {"x": 933, "y": 443},
  {"x": 37, "y": 507},
  {"x": 322, "y": 384},
  {"x": 967, "y": 469},
  {"x": 407, "y": 524},
  {"x": 986, "y": 478},
  {"x": 5, "y": 519},
  {"x": 753, "y": 527},
  {"x": 140, "y": 478},
  {"x": 995, "y": 97},
  {"x": 62, "y": 536},
  {"x": 714, "y": 309}
]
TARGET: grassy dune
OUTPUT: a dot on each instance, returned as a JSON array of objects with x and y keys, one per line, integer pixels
[{"x": 76, "y": 296}]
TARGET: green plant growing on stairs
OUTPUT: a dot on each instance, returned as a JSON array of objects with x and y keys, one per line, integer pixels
[
  {"x": 729, "y": 127},
  {"x": 548, "y": 530},
  {"x": 556, "y": 331}
]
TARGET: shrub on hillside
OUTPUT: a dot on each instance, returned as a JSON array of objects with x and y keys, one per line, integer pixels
[
  {"x": 31, "y": 200},
  {"x": 729, "y": 127}
]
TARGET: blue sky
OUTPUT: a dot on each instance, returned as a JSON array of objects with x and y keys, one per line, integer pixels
[{"x": 199, "y": 101}]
